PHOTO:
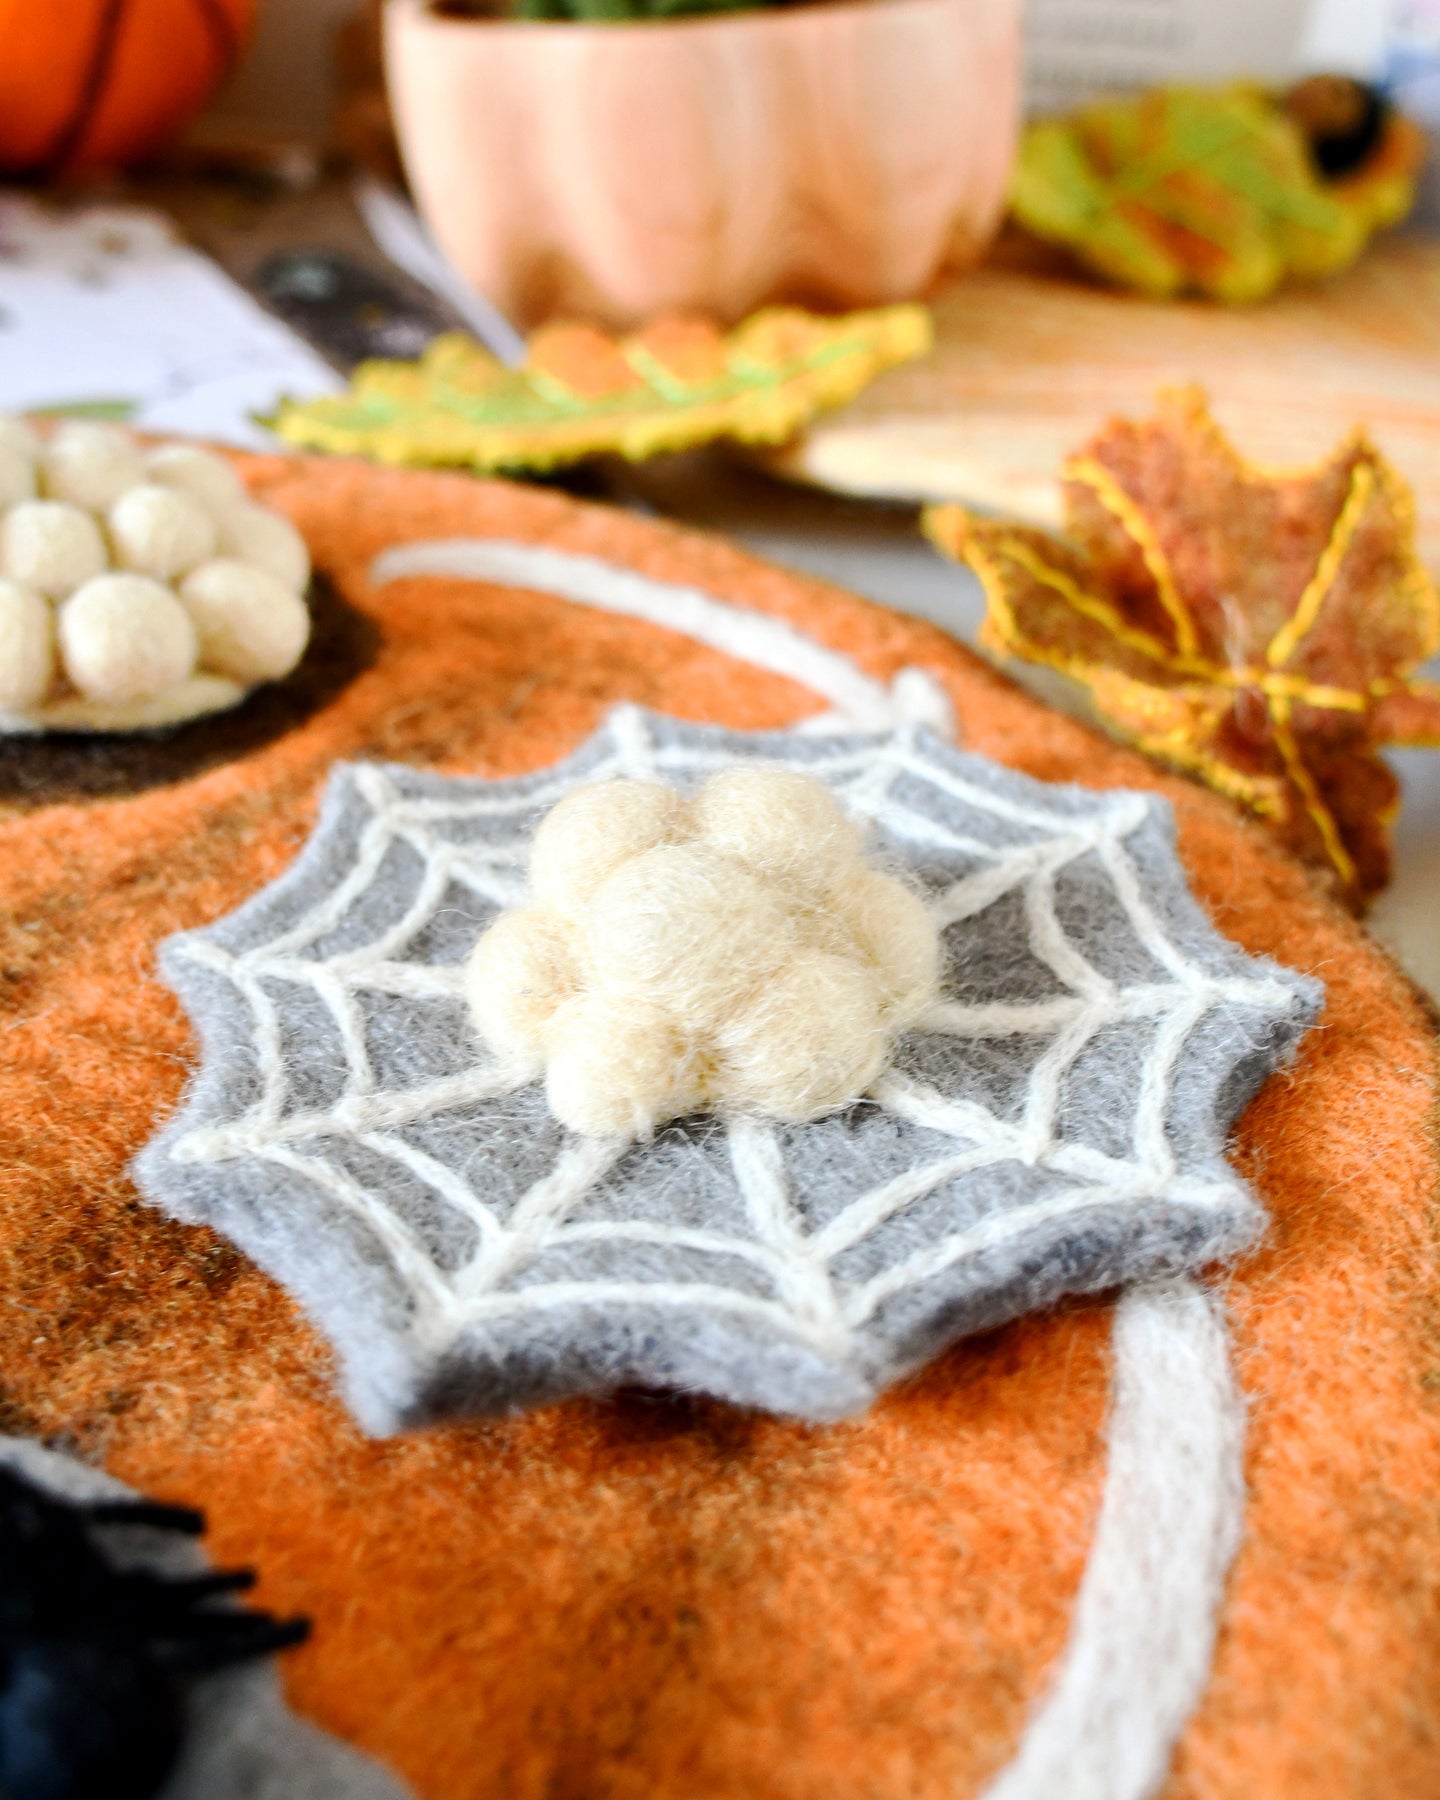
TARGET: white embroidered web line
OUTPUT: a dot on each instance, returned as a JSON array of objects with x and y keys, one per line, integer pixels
[
  {"x": 810, "y": 1301},
  {"x": 858, "y": 700}
]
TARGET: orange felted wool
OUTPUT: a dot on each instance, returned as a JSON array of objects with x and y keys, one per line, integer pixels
[{"x": 648, "y": 1596}]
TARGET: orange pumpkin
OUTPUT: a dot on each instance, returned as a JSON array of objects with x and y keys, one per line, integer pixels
[{"x": 88, "y": 84}]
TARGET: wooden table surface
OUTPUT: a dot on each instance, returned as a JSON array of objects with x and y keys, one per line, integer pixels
[{"x": 1029, "y": 364}]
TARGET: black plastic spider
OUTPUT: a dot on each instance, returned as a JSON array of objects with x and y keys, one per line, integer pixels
[{"x": 94, "y": 1658}]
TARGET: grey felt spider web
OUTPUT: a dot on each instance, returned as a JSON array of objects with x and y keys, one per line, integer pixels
[{"x": 1058, "y": 1125}]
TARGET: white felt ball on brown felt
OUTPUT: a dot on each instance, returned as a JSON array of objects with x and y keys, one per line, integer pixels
[
  {"x": 593, "y": 831},
  {"x": 255, "y": 534},
  {"x": 27, "y": 647},
  {"x": 50, "y": 546},
  {"x": 811, "y": 1038},
  {"x": 521, "y": 971},
  {"x": 125, "y": 637},
  {"x": 17, "y": 475},
  {"x": 200, "y": 474},
  {"x": 17, "y": 435},
  {"x": 779, "y": 821},
  {"x": 251, "y": 626},
  {"x": 89, "y": 464},
  {"x": 619, "y": 1074},
  {"x": 159, "y": 531}
]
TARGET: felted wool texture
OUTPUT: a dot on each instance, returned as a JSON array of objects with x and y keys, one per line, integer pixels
[
  {"x": 240, "y": 1741},
  {"x": 736, "y": 954},
  {"x": 643, "y": 1597},
  {"x": 1142, "y": 1635},
  {"x": 153, "y": 590},
  {"x": 464, "y": 1252}
]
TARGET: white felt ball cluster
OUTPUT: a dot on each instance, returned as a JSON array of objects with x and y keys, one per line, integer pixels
[
  {"x": 734, "y": 953},
  {"x": 125, "y": 573}
]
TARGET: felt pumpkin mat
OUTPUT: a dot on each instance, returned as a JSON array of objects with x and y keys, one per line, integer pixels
[{"x": 660, "y": 1596}]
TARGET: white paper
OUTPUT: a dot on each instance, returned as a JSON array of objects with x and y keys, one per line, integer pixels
[
  {"x": 105, "y": 307},
  {"x": 1079, "y": 48},
  {"x": 1413, "y": 77}
]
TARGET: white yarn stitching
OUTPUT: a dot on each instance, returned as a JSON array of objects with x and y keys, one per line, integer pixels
[
  {"x": 808, "y": 1300},
  {"x": 1142, "y": 1636},
  {"x": 914, "y": 697}
]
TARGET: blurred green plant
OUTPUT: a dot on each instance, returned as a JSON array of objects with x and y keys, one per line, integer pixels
[{"x": 1211, "y": 190}]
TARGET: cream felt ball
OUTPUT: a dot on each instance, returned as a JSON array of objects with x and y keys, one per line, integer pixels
[
  {"x": 27, "y": 647},
  {"x": 254, "y": 534},
  {"x": 88, "y": 502},
  {"x": 159, "y": 531},
  {"x": 619, "y": 1074},
  {"x": 17, "y": 475},
  {"x": 686, "y": 926},
  {"x": 16, "y": 435},
  {"x": 593, "y": 831},
  {"x": 50, "y": 546},
  {"x": 250, "y": 625},
  {"x": 89, "y": 464},
  {"x": 734, "y": 953},
  {"x": 125, "y": 637},
  {"x": 781, "y": 822},
  {"x": 812, "y": 1037},
  {"x": 521, "y": 971},
  {"x": 893, "y": 929},
  {"x": 201, "y": 474}
]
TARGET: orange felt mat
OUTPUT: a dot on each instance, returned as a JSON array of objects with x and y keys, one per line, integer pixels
[{"x": 660, "y": 1599}]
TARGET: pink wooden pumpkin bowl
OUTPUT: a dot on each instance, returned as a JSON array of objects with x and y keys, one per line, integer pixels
[{"x": 837, "y": 155}]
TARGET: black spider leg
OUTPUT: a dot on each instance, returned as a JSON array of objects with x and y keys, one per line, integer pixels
[
  {"x": 226, "y": 1638},
  {"x": 185, "y": 1635},
  {"x": 183, "y": 1591},
  {"x": 151, "y": 1513},
  {"x": 53, "y": 1576},
  {"x": 156, "y": 1600},
  {"x": 201, "y": 1641}
]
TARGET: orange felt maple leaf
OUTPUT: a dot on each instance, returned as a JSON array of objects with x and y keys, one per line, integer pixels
[{"x": 1257, "y": 629}]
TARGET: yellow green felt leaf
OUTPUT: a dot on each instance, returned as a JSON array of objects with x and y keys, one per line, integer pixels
[
  {"x": 678, "y": 383},
  {"x": 1208, "y": 190}
]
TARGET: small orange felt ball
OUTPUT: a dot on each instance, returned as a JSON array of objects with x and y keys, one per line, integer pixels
[{"x": 89, "y": 84}]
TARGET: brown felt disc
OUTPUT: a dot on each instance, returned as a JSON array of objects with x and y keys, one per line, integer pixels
[{"x": 667, "y": 1599}]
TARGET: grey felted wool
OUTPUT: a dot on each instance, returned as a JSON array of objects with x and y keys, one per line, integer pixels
[
  {"x": 1056, "y": 1126},
  {"x": 241, "y": 1742}
]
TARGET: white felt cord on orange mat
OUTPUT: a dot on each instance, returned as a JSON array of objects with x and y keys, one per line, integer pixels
[
  {"x": 1143, "y": 1631},
  {"x": 859, "y": 700}
]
